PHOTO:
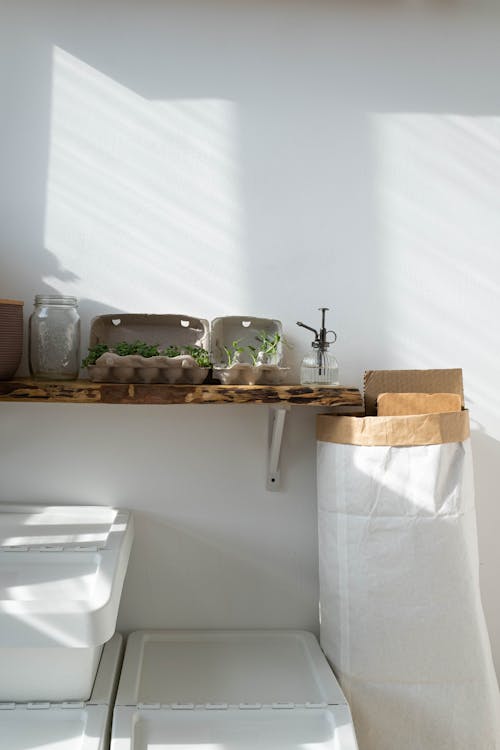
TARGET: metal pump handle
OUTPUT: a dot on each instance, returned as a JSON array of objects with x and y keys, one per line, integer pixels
[
  {"x": 321, "y": 340},
  {"x": 303, "y": 325}
]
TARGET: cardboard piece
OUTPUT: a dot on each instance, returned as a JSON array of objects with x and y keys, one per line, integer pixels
[
  {"x": 163, "y": 330},
  {"x": 410, "y": 381},
  {"x": 410, "y": 430},
  {"x": 399, "y": 404}
]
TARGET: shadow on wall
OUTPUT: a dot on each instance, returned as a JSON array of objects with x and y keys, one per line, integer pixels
[
  {"x": 61, "y": 279},
  {"x": 171, "y": 168},
  {"x": 205, "y": 191},
  {"x": 486, "y": 453},
  {"x": 222, "y": 158},
  {"x": 202, "y": 562},
  {"x": 223, "y": 531}
]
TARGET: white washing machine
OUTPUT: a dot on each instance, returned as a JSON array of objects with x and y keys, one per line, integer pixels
[{"x": 236, "y": 690}]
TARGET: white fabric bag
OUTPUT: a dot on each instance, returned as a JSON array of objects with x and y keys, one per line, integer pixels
[{"x": 401, "y": 616}]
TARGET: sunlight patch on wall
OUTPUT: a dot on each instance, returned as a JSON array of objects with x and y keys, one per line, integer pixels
[
  {"x": 143, "y": 200},
  {"x": 438, "y": 208}
]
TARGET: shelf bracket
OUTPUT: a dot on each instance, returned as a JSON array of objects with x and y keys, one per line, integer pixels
[{"x": 277, "y": 415}]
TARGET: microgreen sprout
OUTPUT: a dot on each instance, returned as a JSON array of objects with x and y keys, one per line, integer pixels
[
  {"x": 254, "y": 353},
  {"x": 123, "y": 349},
  {"x": 200, "y": 355},
  {"x": 269, "y": 344},
  {"x": 137, "y": 347},
  {"x": 233, "y": 352},
  {"x": 267, "y": 349},
  {"x": 171, "y": 351},
  {"x": 147, "y": 350},
  {"x": 94, "y": 353}
]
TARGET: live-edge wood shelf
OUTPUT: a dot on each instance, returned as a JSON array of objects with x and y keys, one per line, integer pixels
[
  {"x": 87, "y": 392},
  {"x": 279, "y": 398}
]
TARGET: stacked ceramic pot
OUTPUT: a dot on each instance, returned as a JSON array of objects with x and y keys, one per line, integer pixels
[{"x": 11, "y": 337}]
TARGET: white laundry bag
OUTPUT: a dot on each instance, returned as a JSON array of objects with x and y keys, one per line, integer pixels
[{"x": 401, "y": 616}]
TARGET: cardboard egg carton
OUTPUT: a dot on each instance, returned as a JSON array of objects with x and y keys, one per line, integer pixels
[
  {"x": 267, "y": 370},
  {"x": 161, "y": 330}
]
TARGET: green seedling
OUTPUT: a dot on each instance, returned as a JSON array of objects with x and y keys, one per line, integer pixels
[
  {"x": 254, "y": 353},
  {"x": 267, "y": 349},
  {"x": 171, "y": 351},
  {"x": 94, "y": 353},
  {"x": 148, "y": 350},
  {"x": 200, "y": 355},
  {"x": 123, "y": 349},
  {"x": 269, "y": 344},
  {"x": 233, "y": 352}
]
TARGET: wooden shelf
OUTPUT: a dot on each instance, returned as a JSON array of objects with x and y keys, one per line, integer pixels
[{"x": 87, "y": 392}]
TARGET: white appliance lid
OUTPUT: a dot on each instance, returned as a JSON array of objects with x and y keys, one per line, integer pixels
[
  {"x": 65, "y": 726},
  {"x": 55, "y": 728},
  {"x": 55, "y": 526},
  {"x": 57, "y": 595},
  {"x": 269, "y": 729},
  {"x": 226, "y": 667}
]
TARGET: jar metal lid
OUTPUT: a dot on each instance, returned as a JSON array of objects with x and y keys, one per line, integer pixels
[{"x": 55, "y": 299}]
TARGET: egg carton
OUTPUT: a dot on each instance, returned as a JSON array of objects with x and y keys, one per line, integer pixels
[
  {"x": 245, "y": 330},
  {"x": 111, "y": 368},
  {"x": 161, "y": 330},
  {"x": 246, "y": 374}
]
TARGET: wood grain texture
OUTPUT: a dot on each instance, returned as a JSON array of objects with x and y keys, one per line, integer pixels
[{"x": 86, "y": 392}]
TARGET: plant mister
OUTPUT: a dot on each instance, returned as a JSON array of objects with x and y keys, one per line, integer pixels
[{"x": 319, "y": 367}]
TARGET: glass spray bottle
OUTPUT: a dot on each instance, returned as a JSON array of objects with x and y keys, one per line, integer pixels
[{"x": 319, "y": 367}]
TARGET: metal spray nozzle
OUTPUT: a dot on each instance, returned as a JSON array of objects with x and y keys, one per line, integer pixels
[{"x": 320, "y": 338}]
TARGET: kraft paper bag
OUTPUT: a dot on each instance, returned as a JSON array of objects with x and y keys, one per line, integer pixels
[{"x": 401, "y": 616}]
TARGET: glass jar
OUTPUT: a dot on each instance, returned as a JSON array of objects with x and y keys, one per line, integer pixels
[
  {"x": 319, "y": 368},
  {"x": 54, "y": 338}
]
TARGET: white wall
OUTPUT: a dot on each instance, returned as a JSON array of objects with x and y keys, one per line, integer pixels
[{"x": 258, "y": 158}]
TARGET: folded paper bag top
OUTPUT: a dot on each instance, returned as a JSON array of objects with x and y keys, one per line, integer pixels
[
  {"x": 399, "y": 431},
  {"x": 398, "y": 404}
]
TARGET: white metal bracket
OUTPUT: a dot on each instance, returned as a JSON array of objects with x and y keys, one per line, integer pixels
[{"x": 277, "y": 416}]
